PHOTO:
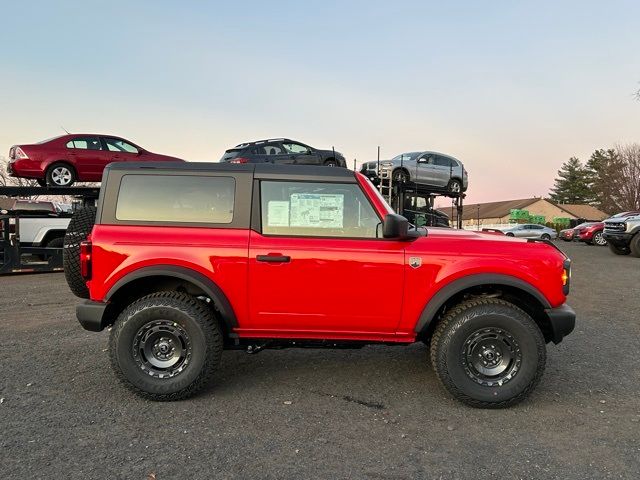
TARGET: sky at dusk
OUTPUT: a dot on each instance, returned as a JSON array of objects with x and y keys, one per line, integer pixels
[{"x": 512, "y": 89}]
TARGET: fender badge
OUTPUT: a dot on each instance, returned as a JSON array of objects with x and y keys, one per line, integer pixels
[{"x": 415, "y": 262}]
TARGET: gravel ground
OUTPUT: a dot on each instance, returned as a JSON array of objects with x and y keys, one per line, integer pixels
[{"x": 373, "y": 413}]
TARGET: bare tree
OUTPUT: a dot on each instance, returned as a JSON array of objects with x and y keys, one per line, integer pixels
[{"x": 629, "y": 188}]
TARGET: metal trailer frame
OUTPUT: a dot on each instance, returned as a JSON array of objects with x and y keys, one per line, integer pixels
[
  {"x": 11, "y": 250},
  {"x": 397, "y": 192}
]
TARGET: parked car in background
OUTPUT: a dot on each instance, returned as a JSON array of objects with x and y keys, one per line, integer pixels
[
  {"x": 622, "y": 231},
  {"x": 42, "y": 223},
  {"x": 591, "y": 233},
  {"x": 567, "y": 234},
  {"x": 282, "y": 151},
  {"x": 434, "y": 169},
  {"x": 64, "y": 160},
  {"x": 530, "y": 230}
]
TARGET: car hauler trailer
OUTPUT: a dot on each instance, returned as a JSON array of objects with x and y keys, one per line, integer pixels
[{"x": 20, "y": 257}]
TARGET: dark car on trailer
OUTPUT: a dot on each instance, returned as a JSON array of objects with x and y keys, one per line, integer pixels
[{"x": 282, "y": 151}]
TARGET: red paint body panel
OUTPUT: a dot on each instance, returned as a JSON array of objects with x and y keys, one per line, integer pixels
[
  {"x": 220, "y": 254},
  {"x": 585, "y": 234},
  {"x": 88, "y": 164}
]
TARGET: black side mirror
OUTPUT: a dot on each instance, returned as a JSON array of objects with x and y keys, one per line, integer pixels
[{"x": 395, "y": 226}]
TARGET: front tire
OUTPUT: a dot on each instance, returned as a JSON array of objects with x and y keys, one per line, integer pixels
[
  {"x": 598, "y": 239},
  {"x": 166, "y": 346},
  {"x": 545, "y": 236},
  {"x": 330, "y": 163},
  {"x": 634, "y": 245},
  {"x": 619, "y": 250},
  {"x": 488, "y": 353}
]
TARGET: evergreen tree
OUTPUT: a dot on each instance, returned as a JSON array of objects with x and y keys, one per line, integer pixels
[
  {"x": 572, "y": 183},
  {"x": 604, "y": 177}
]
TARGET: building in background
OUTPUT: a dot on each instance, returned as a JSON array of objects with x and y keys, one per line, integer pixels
[{"x": 491, "y": 214}]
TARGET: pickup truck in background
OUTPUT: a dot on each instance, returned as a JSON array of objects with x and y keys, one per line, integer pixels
[{"x": 41, "y": 223}]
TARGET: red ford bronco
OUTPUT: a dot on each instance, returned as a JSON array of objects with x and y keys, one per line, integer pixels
[{"x": 187, "y": 259}]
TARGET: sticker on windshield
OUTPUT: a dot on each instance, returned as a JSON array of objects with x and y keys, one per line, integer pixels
[{"x": 320, "y": 210}]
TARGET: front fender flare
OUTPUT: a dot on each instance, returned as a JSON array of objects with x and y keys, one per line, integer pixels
[{"x": 436, "y": 302}]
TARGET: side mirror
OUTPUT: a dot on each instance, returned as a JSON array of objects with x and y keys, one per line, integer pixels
[{"x": 395, "y": 226}]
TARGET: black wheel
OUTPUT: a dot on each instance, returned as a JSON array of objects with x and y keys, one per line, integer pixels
[
  {"x": 330, "y": 163},
  {"x": 619, "y": 250},
  {"x": 598, "y": 239},
  {"x": 510, "y": 234},
  {"x": 60, "y": 175},
  {"x": 545, "y": 236},
  {"x": 41, "y": 182},
  {"x": 166, "y": 346},
  {"x": 454, "y": 186},
  {"x": 488, "y": 353},
  {"x": 79, "y": 228},
  {"x": 400, "y": 176},
  {"x": 634, "y": 245}
]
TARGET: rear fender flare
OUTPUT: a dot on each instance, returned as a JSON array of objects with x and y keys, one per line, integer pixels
[{"x": 211, "y": 289}]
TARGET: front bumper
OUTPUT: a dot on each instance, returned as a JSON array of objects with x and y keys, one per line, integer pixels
[
  {"x": 562, "y": 320},
  {"x": 91, "y": 315},
  {"x": 619, "y": 239}
]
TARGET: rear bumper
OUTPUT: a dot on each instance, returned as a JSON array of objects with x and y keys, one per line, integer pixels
[
  {"x": 91, "y": 315},
  {"x": 562, "y": 320}
]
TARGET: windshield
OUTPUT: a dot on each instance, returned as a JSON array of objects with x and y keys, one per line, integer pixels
[{"x": 406, "y": 157}]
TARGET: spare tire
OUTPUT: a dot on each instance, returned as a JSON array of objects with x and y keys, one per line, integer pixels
[{"x": 79, "y": 228}]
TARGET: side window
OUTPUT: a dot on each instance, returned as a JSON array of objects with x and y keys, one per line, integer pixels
[
  {"x": 272, "y": 149},
  {"x": 117, "y": 145},
  {"x": 427, "y": 158},
  {"x": 85, "y": 143},
  {"x": 443, "y": 161},
  {"x": 295, "y": 148},
  {"x": 176, "y": 198},
  {"x": 317, "y": 210}
]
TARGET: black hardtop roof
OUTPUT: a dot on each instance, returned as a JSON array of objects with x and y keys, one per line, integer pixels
[{"x": 259, "y": 170}]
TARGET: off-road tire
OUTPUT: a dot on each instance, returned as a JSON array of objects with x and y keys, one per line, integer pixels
[
  {"x": 461, "y": 323},
  {"x": 634, "y": 245},
  {"x": 205, "y": 340},
  {"x": 79, "y": 228},
  {"x": 619, "y": 250}
]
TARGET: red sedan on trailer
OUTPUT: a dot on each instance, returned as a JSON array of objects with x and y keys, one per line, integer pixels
[{"x": 64, "y": 160}]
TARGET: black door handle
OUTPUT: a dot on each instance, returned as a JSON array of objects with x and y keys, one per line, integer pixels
[{"x": 273, "y": 258}]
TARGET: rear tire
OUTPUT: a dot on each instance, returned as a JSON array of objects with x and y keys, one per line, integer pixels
[
  {"x": 60, "y": 175},
  {"x": 41, "y": 182},
  {"x": 400, "y": 176},
  {"x": 330, "y": 163},
  {"x": 619, "y": 250},
  {"x": 545, "y": 236},
  {"x": 454, "y": 186},
  {"x": 166, "y": 346},
  {"x": 488, "y": 353},
  {"x": 79, "y": 228}
]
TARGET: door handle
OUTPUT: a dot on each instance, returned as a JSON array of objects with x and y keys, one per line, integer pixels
[{"x": 273, "y": 258}]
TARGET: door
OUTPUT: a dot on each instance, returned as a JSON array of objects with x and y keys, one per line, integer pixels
[
  {"x": 522, "y": 231},
  {"x": 273, "y": 152},
  {"x": 317, "y": 264},
  {"x": 426, "y": 173},
  {"x": 301, "y": 154},
  {"x": 120, "y": 150},
  {"x": 88, "y": 157},
  {"x": 443, "y": 170}
]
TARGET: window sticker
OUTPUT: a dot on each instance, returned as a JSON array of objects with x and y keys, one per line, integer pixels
[
  {"x": 317, "y": 210},
  {"x": 278, "y": 213}
]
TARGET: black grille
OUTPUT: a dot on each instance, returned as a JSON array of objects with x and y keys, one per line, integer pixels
[{"x": 615, "y": 226}]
